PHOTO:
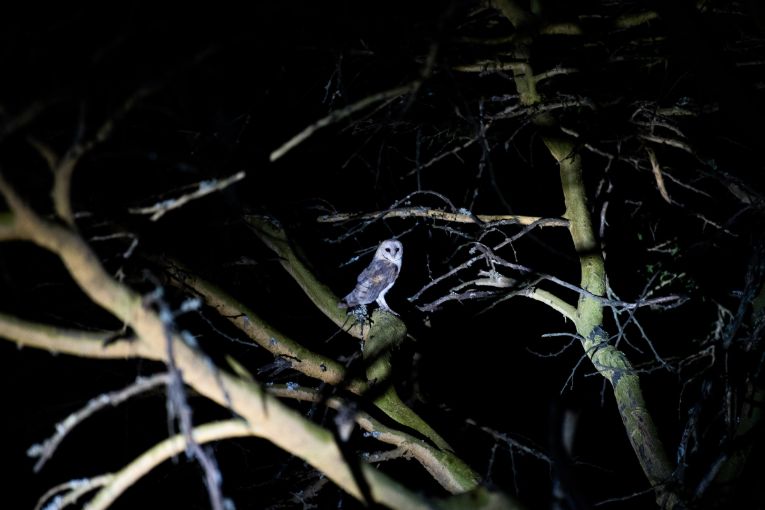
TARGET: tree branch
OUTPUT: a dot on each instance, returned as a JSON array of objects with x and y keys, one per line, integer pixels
[
  {"x": 341, "y": 114},
  {"x": 321, "y": 295},
  {"x": 556, "y": 303},
  {"x": 268, "y": 417},
  {"x": 442, "y": 465},
  {"x": 607, "y": 359},
  {"x": 385, "y": 329},
  {"x": 438, "y": 214},
  {"x": 203, "y": 189},
  {"x": 277, "y": 343},
  {"x": 85, "y": 344},
  {"x": 128, "y": 476},
  {"x": 46, "y": 450},
  {"x": 64, "y": 169}
]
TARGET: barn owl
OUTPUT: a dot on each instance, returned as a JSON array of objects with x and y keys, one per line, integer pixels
[{"x": 378, "y": 277}]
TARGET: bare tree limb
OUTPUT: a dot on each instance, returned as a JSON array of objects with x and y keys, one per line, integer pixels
[
  {"x": 170, "y": 447},
  {"x": 321, "y": 295},
  {"x": 277, "y": 343},
  {"x": 64, "y": 168},
  {"x": 85, "y": 344},
  {"x": 267, "y": 416},
  {"x": 437, "y": 462},
  {"x": 658, "y": 175},
  {"x": 67, "y": 493},
  {"x": 203, "y": 189},
  {"x": 608, "y": 361},
  {"x": 46, "y": 450},
  {"x": 341, "y": 114},
  {"x": 438, "y": 214},
  {"x": 556, "y": 303},
  {"x": 21, "y": 120}
]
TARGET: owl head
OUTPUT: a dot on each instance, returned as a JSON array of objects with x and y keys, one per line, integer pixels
[{"x": 391, "y": 250}]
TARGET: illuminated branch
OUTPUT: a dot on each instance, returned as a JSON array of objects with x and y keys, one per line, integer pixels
[
  {"x": 559, "y": 305},
  {"x": 491, "y": 66},
  {"x": 64, "y": 167},
  {"x": 610, "y": 362},
  {"x": 388, "y": 330},
  {"x": 321, "y": 295},
  {"x": 203, "y": 189},
  {"x": 435, "y": 461},
  {"x": 341, "y": 114},
  {"x": 86, "y": 344},
  {"x": 67, "y": 493},
  {"x": 277, "y": 343},
  {"x": 45, "y": 450},
  {"x": 129, "y": 475},
  {"x": 438, "y": 214},
  {"x": 268, "y": 417},
  {"x": 658, "y": 175}
]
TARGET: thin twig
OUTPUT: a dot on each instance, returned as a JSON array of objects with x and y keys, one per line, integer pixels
[
  {"x": 341, "y": 114},
  {"x": 71, "y": 491},
  {"x": 204, "y": 188},
  {"x": 658, "y": 175},
  {"x": 45, "y": 450}
]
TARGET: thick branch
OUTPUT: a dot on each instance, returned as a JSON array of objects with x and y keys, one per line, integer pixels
[
  {"x": 321, "y": 295},
  {"x": 385, "y": 334},
  {"x": 441, "y": 465},
  {"x": 385, "y": 330},
  {"x": 608, "y": 360},
  {"x": 267, "y": 416},
  {"x": 133, "y": 472},
  {"x": 300, "y": 358},
  {"x": 85, "y": 344}
]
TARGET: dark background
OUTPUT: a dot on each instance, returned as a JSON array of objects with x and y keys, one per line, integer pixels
[{"x": 231, "y": 85}]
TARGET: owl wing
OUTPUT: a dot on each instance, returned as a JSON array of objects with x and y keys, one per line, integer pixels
[{"x": 377, "y": 277}]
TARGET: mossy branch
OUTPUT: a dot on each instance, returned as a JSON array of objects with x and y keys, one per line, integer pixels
[
  {"x": 384, "y": 335},
  {"x": 268, "y": 417},
  {"x": 385, "y": 332},
  {"x": 322, "y": 296},
  {"x": 609, "y": 361},
  {"x": 277, "y": 343},
  {"x": 446, "y": 469}
]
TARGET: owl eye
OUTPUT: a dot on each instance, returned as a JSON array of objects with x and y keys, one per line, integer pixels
[{"x": 387, "y": 249}]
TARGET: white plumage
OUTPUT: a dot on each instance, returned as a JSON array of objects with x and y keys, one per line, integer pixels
[{"x": 378, "y": 277}]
